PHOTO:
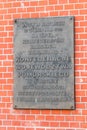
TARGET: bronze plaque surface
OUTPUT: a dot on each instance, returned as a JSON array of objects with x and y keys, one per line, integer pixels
[{"x": 44, "y": 63}]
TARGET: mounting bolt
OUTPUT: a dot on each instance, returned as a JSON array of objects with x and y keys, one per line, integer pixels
[
  {"x": 71, "y": 107},
  {"x": 15, "y": 21},
  {"x": 71, "y": 18},
  {"x": 15, "y": 106}
]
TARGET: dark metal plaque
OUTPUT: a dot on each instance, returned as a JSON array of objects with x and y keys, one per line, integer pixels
[{"x": 44, "y": 63}]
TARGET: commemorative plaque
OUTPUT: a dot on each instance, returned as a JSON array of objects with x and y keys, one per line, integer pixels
[{"x": 44, "y": 63}]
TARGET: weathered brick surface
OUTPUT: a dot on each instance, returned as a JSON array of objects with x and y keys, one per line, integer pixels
[{"x": 11, "y": 119}]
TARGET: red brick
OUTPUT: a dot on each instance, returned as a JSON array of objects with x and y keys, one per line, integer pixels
[
  {"x": 80, "y": 93},
  {"x": 34, "y": 15},
  {"x": 84, "y": 99},
  {"x": 56, "y": 112},
  {"x": 7, "y": 123},
  {"x": 39, "y": 8},
  {"x": 43, "y": 2},
  {"x": 70, "y": 6},
  {"x": 7, "y": 63},
  {"x": 21, "y": 10},
  {"x": 83, "y": 61},
  {"x": 25, "y": 15},
  {"x": 40, "y": 117},
  {"x": 64, "y": 124},
  {"x": 84, "y": 112},
  {"x": 16, "y": 16},
  {"x": 83, "y": 73},
  {"x": 83, "y": 11},
  {"x": 44, "y": 124},
  {"x": 2, "y": 57},
  {"x": 66, "y": 112},
  {"x": 2, "y": 81},
  {"x": 79, "y": 54},
  {"x": 10, "y": 81},
  {"x": 16, "y": 123},
  {"x": 49, "y": 8},
  {"x": 83, "y": 125},
  {"x": 2, "y": 105},
  {"x": 1, "y": 40},
  {"x": 30, "y": 9},
  {"x": 84, "y": 23},
  {"x": 79, "y": 30},
  {"x": 53, "y": 2},
  {"x": 11, "y": 117},
  {"x": 8, "y": 51},
  {"x": 33, "y": 3},
  {"x": 59, "y": 118},
  {"x": 3, "y": 93},
  {"x": 63, "y": 13},
  {"x": 45, "y": 112},
  {"x": 3, "y": 34},
  {"x": 54, "y": 124},
  {"x": 74, "y": 125},
  {"x": 13, "y": 10},
  {"x": 76, "y": 112},
  {"x": 5, "y": 111},
  {"x": 31, "y": 128},
  {"x": 20, "y": 128},
  {"x": 80, "y": 106},
  {"x": 40, "y": 129},
  {"x": 7, "y": 5},
  {"x": 79, "y": 6},
  {"x": 10, "y": 69},
  {"x": 26, "y": 3},
  {"x": 9, "y": 28},
  {"x": 3, "y": 11},
  {"x": 30, "y": 117},
  {"x": 7, "y": 16},
  {"x": 10, "y": 34},
  {"x": 1, "y": 5},
  {"x": 49, "y": 118},
  {"x": 7, "y": 87},
  {"x": 11, "y": 128},
  {"x": 6, "y": 99},
  {"x": 3, "y": 128},
  {"x": 17, "y": 4},
  {"x": 59, "y": 7},
  {"x": 54, "y": 13},
  {"x": 73, "y": 1},
  {"x": 78, "y": 18},
  {"x": 78, "y": 99},
  {"x": 85, "y": 29},
  {"x": 76, "y": 61},
  {"x": 74, "y": 12},
  {"x": 63, "y": 1},
  {"x": 1, "y": 28},
  {"x": 69, "y": 118},
  {"x": 10, "y": 57},
  {"x": 1, "y": 16},
  {"x": 10, "y": 93},
  {"x": 80, "y": 118},
  {"x": 2, "y": 116},
  {"x": 84, "y": 48},
  {"x": 82, "y": 0},
  {"x": 43, "y": 14}
]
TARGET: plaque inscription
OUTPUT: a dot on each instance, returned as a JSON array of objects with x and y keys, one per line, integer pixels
[{"x": 44, "y": 63}]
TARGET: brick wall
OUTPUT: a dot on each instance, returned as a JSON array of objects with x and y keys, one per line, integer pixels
[{"x": 11, "y": 119}]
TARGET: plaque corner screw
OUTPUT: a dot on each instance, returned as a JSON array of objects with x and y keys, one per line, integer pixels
[
  {"x": 71, "y": 107},
  {"x": 71, "y": 18},
  {"x": 15, "y": 20},
  {"x": 15, "y": 106}
]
